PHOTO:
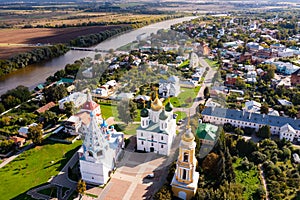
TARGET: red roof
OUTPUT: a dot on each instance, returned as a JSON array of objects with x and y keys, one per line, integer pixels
[
  {"x": 45, "y": 107},
  {"x": 17, "y": 139},
  {"x": 90, "y": 105}
]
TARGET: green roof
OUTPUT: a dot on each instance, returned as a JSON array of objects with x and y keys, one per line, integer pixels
[
  {"x": 163, "y": 115},
  {"x": 169, "y": 107},
  {"x": 144, "y": 112},
  {"x": 206, "y": 131},
  {"x": 153, "y": 127}
]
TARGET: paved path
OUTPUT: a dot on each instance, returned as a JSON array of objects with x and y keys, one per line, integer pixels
[
  {"x": 11, "y": 158},
  {"x": 264, "y": 182},
  {"x": 200, "y": 96}
]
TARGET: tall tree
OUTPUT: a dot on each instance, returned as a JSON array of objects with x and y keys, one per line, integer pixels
[
  {"x": 264, "y": 132},
  {"x": 264, "y": 108},
  {"x": 35, "y": 133},
  {"x": 81, "y": 187},
  {"x": 206, "y": 93},
  {"x": 127, "y": 110}
]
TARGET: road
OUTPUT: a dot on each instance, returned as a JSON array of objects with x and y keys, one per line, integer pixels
[{"x": 207, "y": 83}]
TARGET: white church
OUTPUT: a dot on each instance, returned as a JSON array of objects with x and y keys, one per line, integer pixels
[
  {"x": 158, "y": 128},
  {"x": 101, "y": 145}
]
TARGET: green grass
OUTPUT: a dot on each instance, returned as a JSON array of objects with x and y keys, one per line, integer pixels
[
  {"x": 91, "y": 195},
  {"x": 211, "y": 63},
  {"x": 185, "y": 64},
  {"x": 110, "y": 110},
  {"x": 186, "y": 98},
  {"x": 129, "y": 130},
  {"x": 248, "y": 179},
  {"x": 181, "y": 115},
  {"x": 128, "y": 47},
  {"x": 34, "y": 167}
]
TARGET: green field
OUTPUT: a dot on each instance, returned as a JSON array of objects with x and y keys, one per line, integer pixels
[
  {"x": 109, "y": 110},
  {"x": 249, "y": 179},
  {"x": 181, "y": 115},
  {"x": 211, "y": 63},
  {"x": 186, "y": 98},
  {"x": 33, "y": 168}
]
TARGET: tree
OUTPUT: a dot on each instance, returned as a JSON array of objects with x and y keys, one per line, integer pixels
[
  {"x": 264, "y": 132},
  {"x": 2, "y": 109},
  {"x": 50, "y": 118},
  {"x": 264, "y": 108},
  {"x": 127, "y": 110},
  {"x": 206, "y": 93},
  {"x": 81, "y": 187},
  {"x": 35, "y": 133},
  {"x": 69, "y": 108},
  {"x": 210, "y": 163},
  {"x": 55, "y": 93},
  {"x": 238, "y": 131}
]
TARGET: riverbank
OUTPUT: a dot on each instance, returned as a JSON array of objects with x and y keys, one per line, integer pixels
[{"x": 35, "y": 74}]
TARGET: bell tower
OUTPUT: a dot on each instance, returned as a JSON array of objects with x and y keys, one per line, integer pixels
[{"x": 185, "y": 180}]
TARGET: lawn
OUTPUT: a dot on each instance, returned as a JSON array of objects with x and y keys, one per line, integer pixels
[
  {"x": 211, "y": 63},
  {"x": 181, "y": 115},
  {"x": 184, "y": 64},
  {"x": 128, "y": 130},
  {"x": 249, "y": 179},
  {"x": 110, "y": 110},
  {"x": 34, "y": 167},
  {"x": 186, "y": 98}
]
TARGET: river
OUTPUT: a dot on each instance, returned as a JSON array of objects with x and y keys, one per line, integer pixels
[{"x": 33, "y": 75}]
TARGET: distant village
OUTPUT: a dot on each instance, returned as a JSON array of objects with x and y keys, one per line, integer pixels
[{"x": 239, "y": 77}]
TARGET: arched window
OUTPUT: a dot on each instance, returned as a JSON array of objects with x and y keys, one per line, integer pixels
[
  {"x": 185, "y": 157},
  {"x": 184, "y": 174}
]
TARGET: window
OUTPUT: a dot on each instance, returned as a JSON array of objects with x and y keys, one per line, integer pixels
[
  {"x": 185, "y": 157},
  {"x": 142, "y": 142},
  {"x": 152, "y": 137},
  {"x": 152, "y": 144},
  {"x": 99, "y": 153},
  {"x": 162, "y": 146},
  {"x": 143, "y": 123},
  {"x": 162, "y": 137},
  {"x": 184, "y": 174},
  {"x": 141, "y": 134}
]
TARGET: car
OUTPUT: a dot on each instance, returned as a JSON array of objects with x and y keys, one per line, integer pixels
[{"x": 150, "y": 176}]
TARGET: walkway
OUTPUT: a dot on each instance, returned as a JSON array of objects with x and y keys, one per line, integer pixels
[
  {"x": 208, "y": 82},
  {"x": 264, "y": 182}
]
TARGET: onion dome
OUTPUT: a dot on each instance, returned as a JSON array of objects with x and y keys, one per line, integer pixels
[
  {"x": 163, "y": 115},
  {"x": 144, "y": 112},
  {"x": 188, "y": 136},
  {"x": 169, "y": 107},
  {"x": 104, "y": 124},
  {"x": 156, "y": 104}
]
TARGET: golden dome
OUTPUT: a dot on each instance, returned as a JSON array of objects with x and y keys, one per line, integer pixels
[
  {"x": 188, "y": 136},
  {"x": 156, "y": 105}
]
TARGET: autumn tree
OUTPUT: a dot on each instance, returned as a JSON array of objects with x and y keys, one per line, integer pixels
[
  {"x": 35, "y": 133},
  {"x": 81, "y": 187}
]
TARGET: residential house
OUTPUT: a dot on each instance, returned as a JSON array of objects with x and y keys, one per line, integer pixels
[
  {"x": 19, "y": 142},
  {"x": 78, "y": 98},
  {"x": 170, "y": 87},
  {"x": 231, "y": 79},
  {"x": 207, "y": 133},
  {"x": 252, "y": 106},
  {"x": 23, "y": 131},
  {"x": 88, "y": 73},
  {"x": 46, "y": 107},
  {"x": 295, "y": 77}
]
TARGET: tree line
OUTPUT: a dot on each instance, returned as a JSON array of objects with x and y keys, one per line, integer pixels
[{"x": 35, "y": 56}]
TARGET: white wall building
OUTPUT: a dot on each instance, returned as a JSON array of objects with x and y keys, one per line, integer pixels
[
  {"x": 280, "y": 126},
  {"x": 158, "y": 128},
  {"x": 170, "y": 87},
  {"x": 99, "y": 152},
  {"x": 78, "y": 98}
]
